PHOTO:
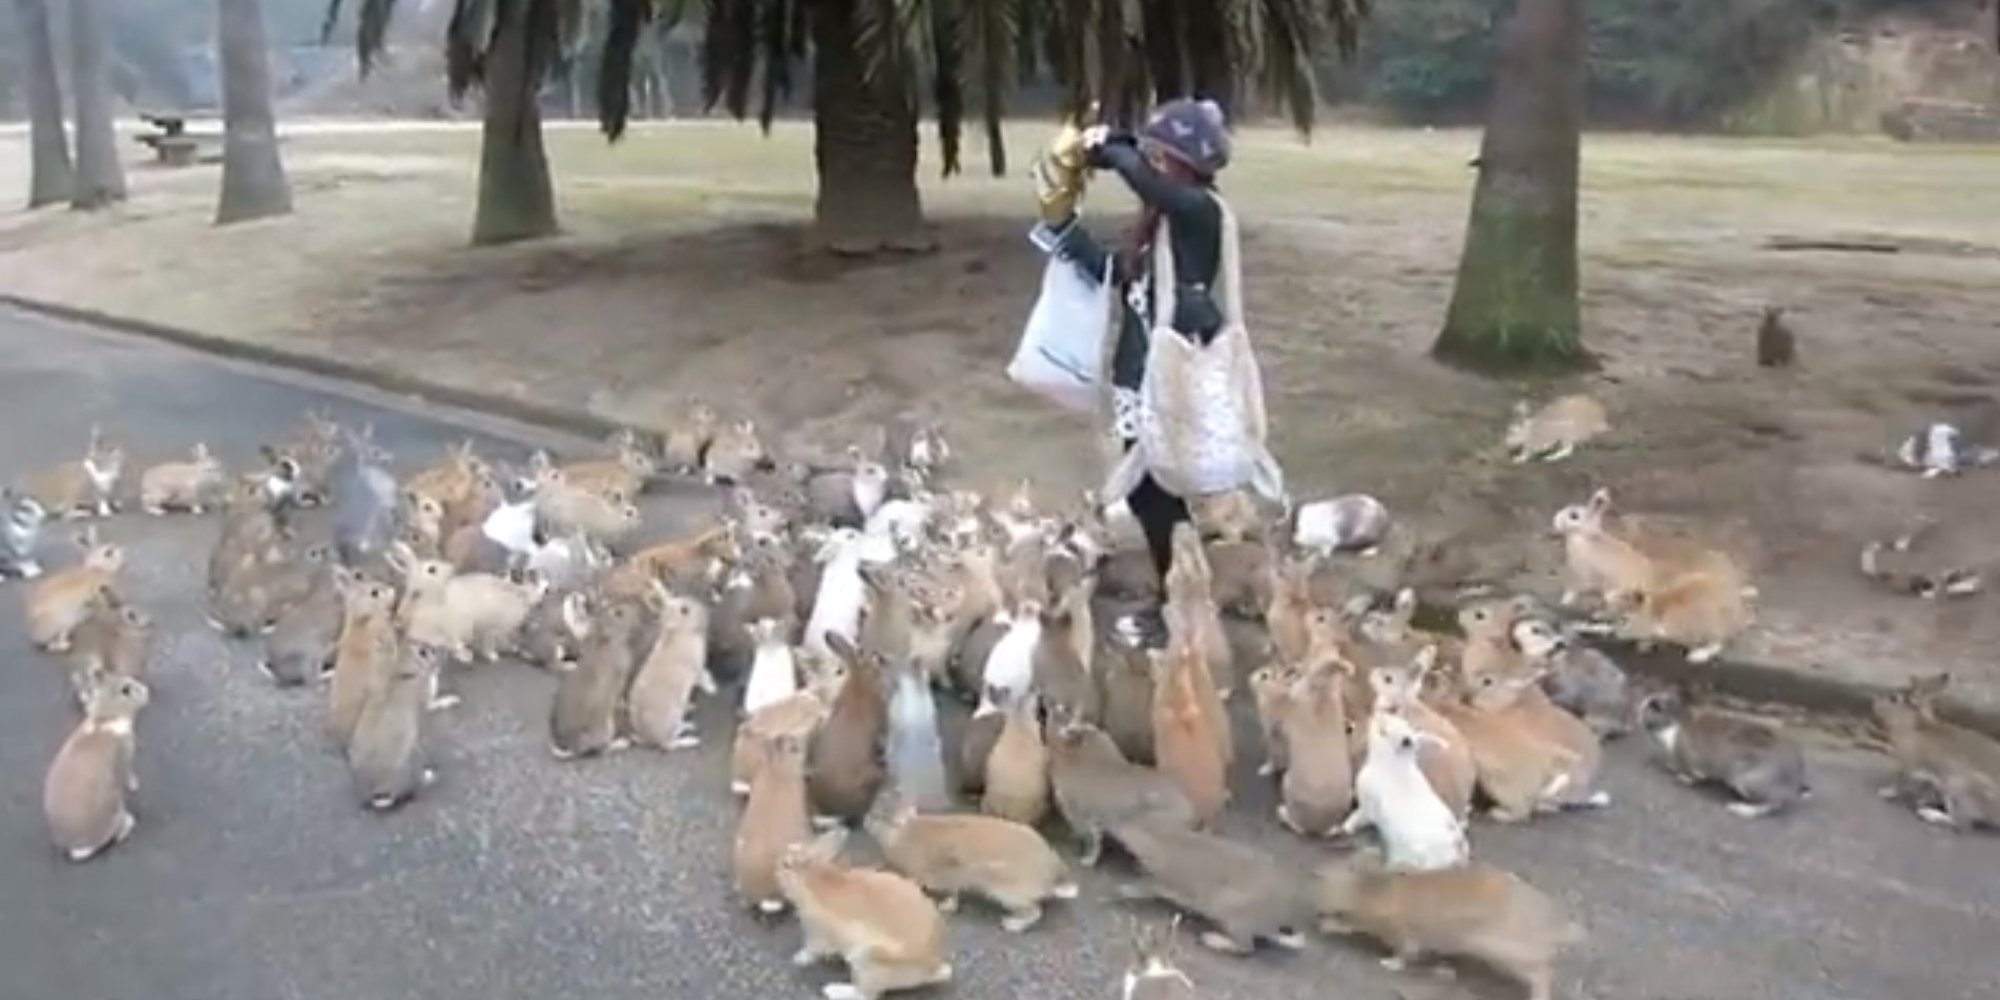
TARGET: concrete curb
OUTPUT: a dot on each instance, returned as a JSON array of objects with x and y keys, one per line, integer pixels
[{"x": 1749, "y": 681}]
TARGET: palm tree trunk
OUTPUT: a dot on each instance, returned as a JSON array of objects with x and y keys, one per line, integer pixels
[
  {"x": 100, "y": 178},
  {"x": 517, "y": 199},
  {"x": 50, "y": 178},
  {"x": 1514, "y": 305},
  {"x": 864, "y": 146},
  {"x": 253, "y": 177}
]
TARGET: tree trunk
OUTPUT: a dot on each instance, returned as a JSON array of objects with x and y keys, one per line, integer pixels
[
  {"x": 100, "y": 178},
  {"x": 253, "y": 177},
  {"x": 1514, "y": 305},
  {"x": 517, "y": 199},
  {"x": 864, "y": 147},
  {"x": 50, "y": 178}
]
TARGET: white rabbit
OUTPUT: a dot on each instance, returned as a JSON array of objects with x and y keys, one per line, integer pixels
[
  {"x": 774, "y": 670},
  {"x": 901, "y": 520},
  {"x": 837, "y": 607},
  {"x": 1419, "y": 832},
  {"x": 512, "y": 526},
  {"x": 1010, "y": 666}
]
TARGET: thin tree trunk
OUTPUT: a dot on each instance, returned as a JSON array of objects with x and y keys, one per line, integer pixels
[
  {"x": 100, "y": 178},
  {"x": 253, "y": 176},
  {"x": 1514, "y": 305},
  {"x": 516, "y": 196},
  {"x": 864, "y": 146},
  {"x": 50, "y": 178}
]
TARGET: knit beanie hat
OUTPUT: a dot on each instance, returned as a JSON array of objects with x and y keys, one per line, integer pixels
[{"x": 1192, "y": 131}]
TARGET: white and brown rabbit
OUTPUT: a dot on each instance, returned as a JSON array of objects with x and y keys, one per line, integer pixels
[
  {"x": 1755, "y": 760},
  {"x": 56, "y": 603},
  {"x": 1450, "y": 761},
  {"x": 1155, "y": 973},
  {"x": 847, "y": 496},
  {"x": 775, "y": 818},
  {"x": 1553, "y": 432},
  {"x": 84, "y": 795},
  {"x": 1949, "y": 774},
  {"x": 1246, "y": 894},
  {"x": 192, "y": 485},
  {"x": 676, "y": 666},
  {"x": 882, "y": 925},
  {"x": 1002, "y": 861},
  {"x": 583, "y": 719},
  {"x": 387, "y": 758},
  {"x": 81, "y": 487},
  {"x": 1475, "y": 911}
]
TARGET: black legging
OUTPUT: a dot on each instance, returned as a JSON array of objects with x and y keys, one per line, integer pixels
[{"x": 1157, "y": 511}]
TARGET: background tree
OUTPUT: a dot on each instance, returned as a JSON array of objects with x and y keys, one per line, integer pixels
[
  {"x": 253, "y": 176},
  {"x": 507, "y": 49},
  {"x": 50, "y": 179},
  {"x": 1514, "y": 304},
  {"x": 100, "y": 177},
  {"x": 872, "y": 60}
]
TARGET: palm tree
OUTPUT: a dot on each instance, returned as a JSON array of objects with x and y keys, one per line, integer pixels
[
  {"x": 50, "y": 179},
  {"x": 508, "y": 49},
  {"x": 253, "y": 177},
  {"x": 100, "y": 177},
  {"x": 1514, "y": 304},
  {"x": 871, "y": 59}
]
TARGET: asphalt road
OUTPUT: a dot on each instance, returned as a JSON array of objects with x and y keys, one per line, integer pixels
[{"x": 254, "y": 876}]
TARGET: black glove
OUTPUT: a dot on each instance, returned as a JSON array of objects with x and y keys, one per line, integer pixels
[{"x": 1099, "y": 156}]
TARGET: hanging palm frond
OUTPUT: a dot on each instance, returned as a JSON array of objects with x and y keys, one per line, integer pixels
[
  {"x": 371, "y": 28},
  {"x": 628, "y": 19},
  {"x": 947, "y": 44}
]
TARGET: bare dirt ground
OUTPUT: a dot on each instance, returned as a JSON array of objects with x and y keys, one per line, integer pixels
[{"x": 679, "y": 275}]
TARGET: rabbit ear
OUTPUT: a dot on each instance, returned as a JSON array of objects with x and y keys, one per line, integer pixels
[{"x": 1600, "y": 501}]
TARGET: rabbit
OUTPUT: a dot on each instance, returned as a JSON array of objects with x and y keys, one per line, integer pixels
[
  {"x": 1317, "y": 790},
  {"x": 1419, "y": 832},
  {"x": 366, "y": 500},
  {"x": 775, "y": 818},
  {"x": 1473, "y": 911},
  {"x": 735, "y": 451},
  {"x": 1554, "y": 432},
  {"x": 1154, "y": 973},
  {"x": 113, "y": 641},
  {"x": 1597, "y": 559},
  {"x": 774, "y": 673},
  {"x": 469, "y": 615},
  {"x": 626, "y": 471},
  {"x": 1942, "y": 450},
  {"x": 999, "y": 859},
  {"x": 1016, "y": 770},
  {"x": 1931, "y": 559},
  {"x": 1244, "y": 892},
  {"x": 1449, "y": 761},
  {"x": 717, "y": 543},
  {"x": 504, "y": 538},
  {"x": 1125, "y": 700},
  {"x": 311, "y": 453},
  {"x": 976, "y": 741},
  {"x": 301, "y": 646},
  {"x": 799, "y": 715},
  {"x": 20, "y": 535},
  {"x": 81, "y": 487},
  {"x": 842, "y": 594},
  {"x": 451, "y": 478},
  {"x": 55, "y": 604},
  {"x": 253, "y": 597},
  {"x": 1186, "y": 735},
  {"x": 1351, "y": 522},
  {"x": 1201, "y": 683},
  {"x": 758, "y": 587},
  {"x": 1777, "y": 345},
  {"x": 688, "y": 437},
  {"x": 1095, "y": 788},
  {"x": 1291, "y": 601},
  {"x": 1010, "y": 665},
  {"x": 920, "y": 446},
  {"x": 1229, "y": 516},
  {"x": 583, "y": 719},
  {"x": 190, "y": 486},
  {"x": 881, "y": 924},
  {"x": 1694, "y": 596},
  {"x": 1520, "y": 770},
  {"x": 914, "y": 747},
  {"x": 846, "y": 768},
  {"x": 1759, "y": 763},
  {"x": 657, "y": 703},
  {"x": 567, "y": 563},
  {"x": 1949, "y": 774},
  {"x": 847, "y": 497},
  {"x": 1065, "y": 658},
  {"x": 1271, "y": 691},
  {"x": 1242, "y": 571},
  {"x": 1580, "y": 679},
  {"x": 386, "y": 755},
  {"x": 422, "y": 519},
  {"x": 1191, "y": 602},
  {"x": 365, "y": 654},
  {"x": 254, "y": 532},
  {"x": 85, "y": 793},
  {"x": 1514, "y": 694}
]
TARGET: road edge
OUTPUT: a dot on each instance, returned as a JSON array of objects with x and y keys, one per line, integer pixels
[{"x": 1756, "y": 682}]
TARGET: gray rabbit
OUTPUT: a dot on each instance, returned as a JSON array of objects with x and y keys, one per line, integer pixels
[
  {"x": 300, "y": 647},
  {"x": 1759, "y": 763},
  {"x": 1248, "y": 895},
  {"x": 20, "y": 535},
  {"x": 1579, "y": 678},
  {"x": 367, "y": 507}
]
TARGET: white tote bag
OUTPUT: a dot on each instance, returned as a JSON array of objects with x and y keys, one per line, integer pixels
[{"x": 1061, "y": 356}]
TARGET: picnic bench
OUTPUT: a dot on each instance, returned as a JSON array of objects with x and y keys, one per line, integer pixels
[{"x": 174, "y": 145}]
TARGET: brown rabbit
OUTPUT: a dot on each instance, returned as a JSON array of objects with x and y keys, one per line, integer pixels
[
  {"x": 846, "y": 769},
  {"x": 1517, "y": 769},
  {"x": 81, "y": 487},
  {"x": 1247, "y": 894},
  {"x": 386, "y": 756},
  {"x": 1553, "y": 432},
  {"x": 717, "y": 543},
  {"x": 191, "y": 486},
  {"x": 1095, "y": 788},
  {"x": 451, "y": 478},
  {"x": 1950, "y": 774},
  {"x": 1191, "y": 603},
  {"x": 976, "y": 740},
  {"x": 1475, "y": 911},
  {"x": 57, "y": 602},
  {"x": 1291, "y": 600},
  {"x": 736, "y": 451},
  {"x": 1186, "y": 737},
  {"x": 1017, "y": 769},
  {"x": 368, "y": 649},
  {"x": 112, "y": 642},
  {"x": 881, "y": 924},
  {"x": 799, "y": 715},
  {"x": 1155, "y": 973},
  {"x": 774, "y": 819},
  {"x": 625, "y": 471},
  {"x": 688, "y": 437},
  {"x": 1318, "y": 786},
  {"x": 1243, "y": 571},
  {"x": 583, "y": 719},
  {"x": 1451, "y": 765},
  {"x": 84, "y": 794},
  {"x": 657, "y": 704},
  {"x": 253, "y": 596},
  {"x": 1513, "y": 692},
  {"x": 1271, "y": 692},
  {"x": 1125, "y": 699},
  {"x": 999, "y": 859}
]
